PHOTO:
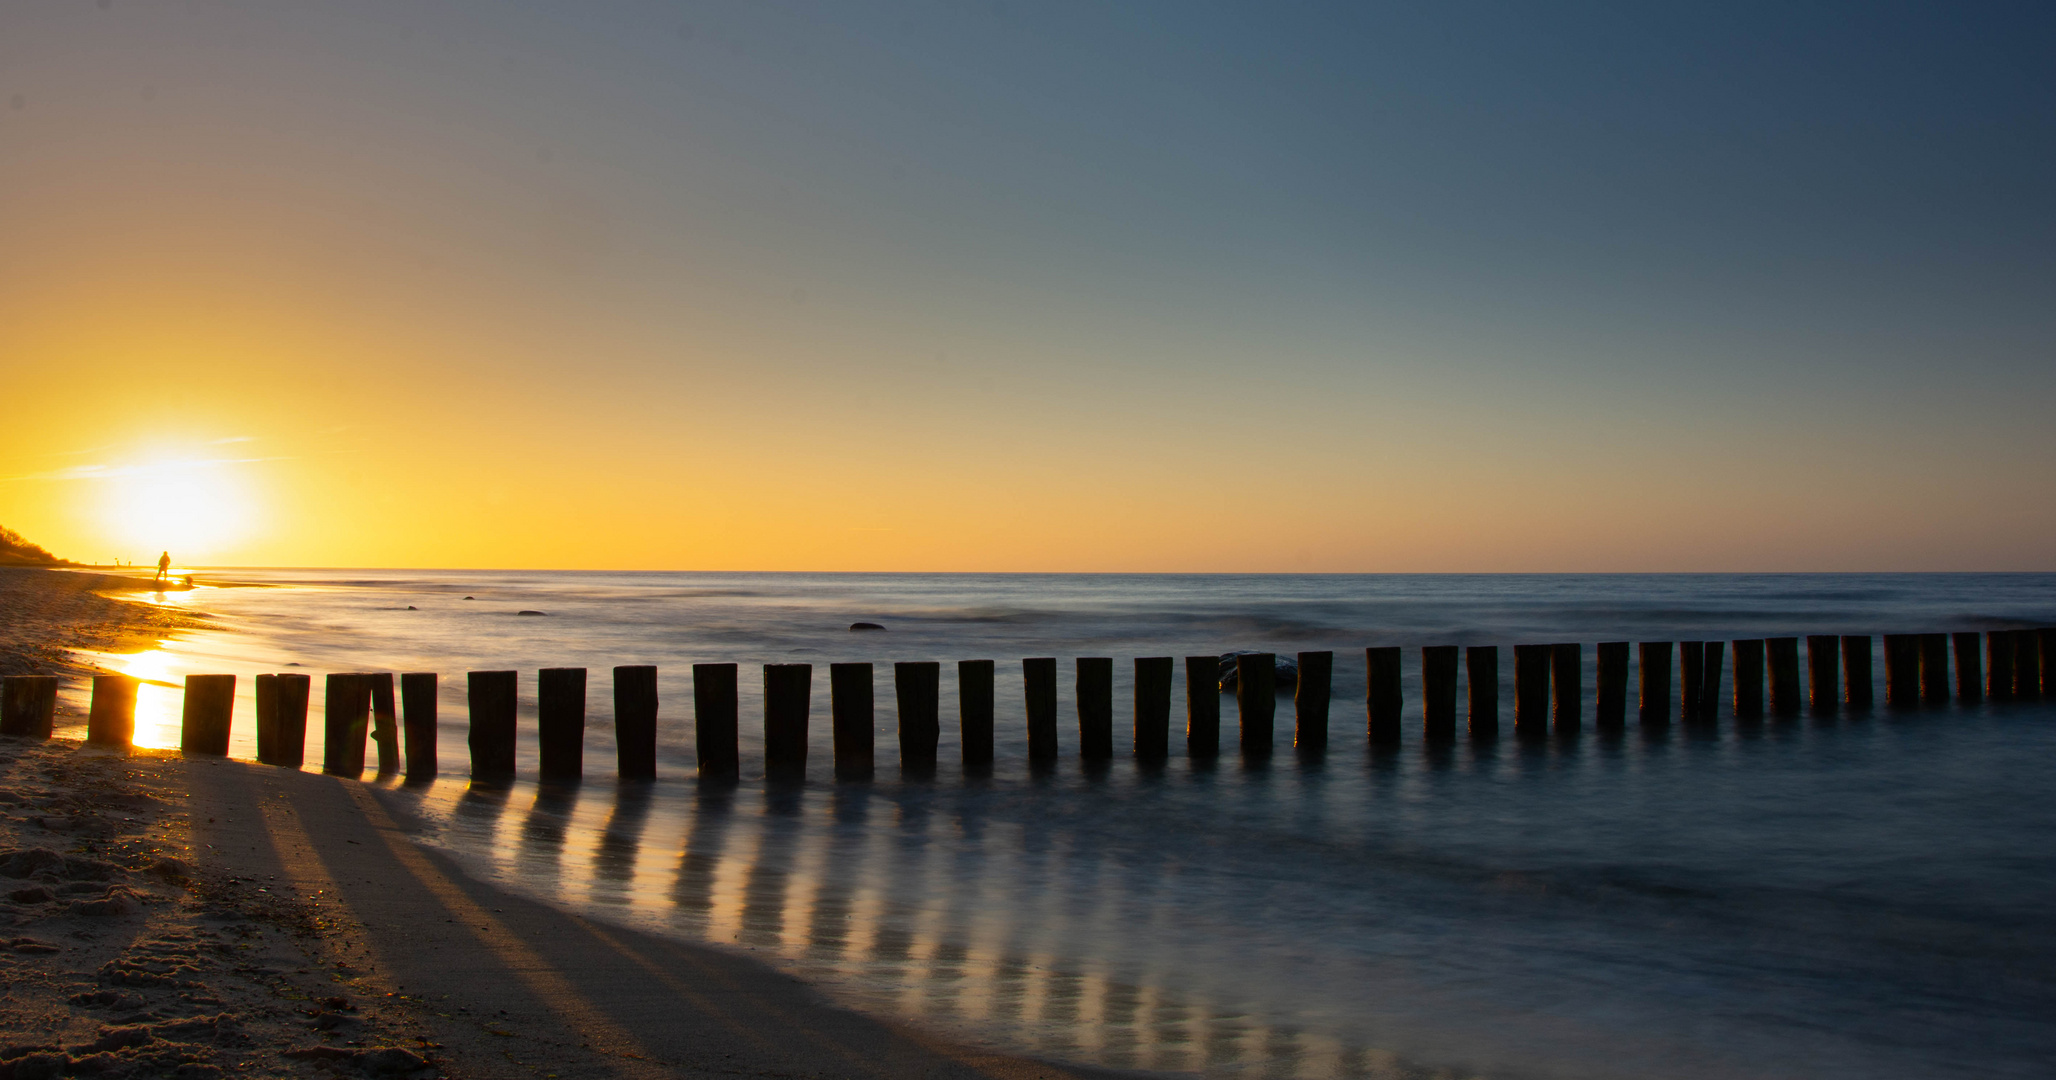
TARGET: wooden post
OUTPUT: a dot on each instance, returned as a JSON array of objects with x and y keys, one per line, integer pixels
[
  {"x": 1748, "y": 678},
  {"x": 1438, "y": 693},
  {"x": 385, "y": 734},
  {"x": 1481, "y": 664},
  {"x": 716, "y": 722},
  {"x": 418, "y": 723},
  {"x": 1709, "y": 700},
  {"x": 1934, "y": 668},
  {"x": 1531, "y": 691},
  {"x": 1256, "y": 701},
  {"x": 2046, "y": 649},
  {"x": 1567, "y": 679},
  {"x": 1783, "y": 656},
  {"x": 204, "y": 722},
  {"x": 491, "y": 695},
  {"x": 1382, "y": 696},
  {"x": 1970, "y": 665},
  {"x": 2027, "y": 664},
  {"x": 560, "y": 722},
  {"x": 289, "y": 725},
  {"x": 1902, "y": 669},
  {"x": 1999, "y": 665},
  {"x": 1202, "y": 706},
  {"x": 1823, "y": 671},
  {"x": 265, "y": 691},
  {"x": 635, "y": 721},
  {"x": 1095, "y": 687},
  {"x": 974, "y": 707},
  {"x": 1153, "y": 675},
  {"x": 787, "y": 690},
  {"x": 1691, "y": 679},
  {"x": 1310, "y": 701},
  {"x": 1655, "y": 669},
  {"x": 28, "y": 706},
  {"x": 1039, "y": 684},
  {"x": 1856, "y": 680},
  {"x": 1610, "y": 711},
  {"x": 850, "y": 711},
  {"x": 917, "y": 689},
  {"x": 346, "y": 716},
  {"x": 112, "y": 719}
]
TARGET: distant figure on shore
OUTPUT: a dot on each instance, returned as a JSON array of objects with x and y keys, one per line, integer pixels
[{"x": 163, "y": 565}]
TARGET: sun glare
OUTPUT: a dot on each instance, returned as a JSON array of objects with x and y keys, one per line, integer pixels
[{"x": 192, "y": 509}]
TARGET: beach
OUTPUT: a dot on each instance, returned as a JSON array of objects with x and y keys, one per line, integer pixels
[{"x": 202, "y": 917}]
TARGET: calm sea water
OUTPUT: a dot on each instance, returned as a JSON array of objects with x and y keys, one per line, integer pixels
[{"x": 1867, "y": 896}]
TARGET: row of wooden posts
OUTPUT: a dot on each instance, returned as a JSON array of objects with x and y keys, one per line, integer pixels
[{"x": 1548, "y": 690}]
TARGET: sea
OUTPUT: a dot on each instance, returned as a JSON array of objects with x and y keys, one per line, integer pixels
[{"x": 1863, "y": 895}]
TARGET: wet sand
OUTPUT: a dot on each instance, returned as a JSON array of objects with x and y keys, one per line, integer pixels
[{"x": 47, "y": 614}]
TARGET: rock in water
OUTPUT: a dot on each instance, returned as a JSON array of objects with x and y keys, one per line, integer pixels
[
  {"x": 1286, "y": 667},
  {"x": 865, "y": 626},
  {"x": 525, "y": 612}
]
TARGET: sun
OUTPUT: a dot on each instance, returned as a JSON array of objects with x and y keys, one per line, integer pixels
[{"x": 192, "y": 509}]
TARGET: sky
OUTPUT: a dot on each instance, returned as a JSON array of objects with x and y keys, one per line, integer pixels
[{"x": 1030, "y": 286}]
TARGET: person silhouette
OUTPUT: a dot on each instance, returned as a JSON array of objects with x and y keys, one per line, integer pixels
[{"x": 163, "y": 565}]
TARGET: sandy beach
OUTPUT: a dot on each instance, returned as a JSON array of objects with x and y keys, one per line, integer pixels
[{"x": 204, "y": 917}]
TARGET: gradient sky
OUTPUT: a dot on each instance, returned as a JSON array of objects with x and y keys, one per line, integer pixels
[{"x": 1030, "y": 286}]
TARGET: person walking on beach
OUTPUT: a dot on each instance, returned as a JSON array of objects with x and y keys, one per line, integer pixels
[{"x": 163, "y": 565}]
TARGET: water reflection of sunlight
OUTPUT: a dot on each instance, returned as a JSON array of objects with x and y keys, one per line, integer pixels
[{"x": 160, "y": 699}]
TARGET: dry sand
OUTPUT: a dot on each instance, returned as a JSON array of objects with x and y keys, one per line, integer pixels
[{"x": 194, "y": 917}]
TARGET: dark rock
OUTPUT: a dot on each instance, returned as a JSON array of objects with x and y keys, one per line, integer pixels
[
  {"x": 471, "y": 598},
  {"x": 865, "y": 626},
  {"x": 529, "y": 612},
  {"x": 1286, "y": 668}
]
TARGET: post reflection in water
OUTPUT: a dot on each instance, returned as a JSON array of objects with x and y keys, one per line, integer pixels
[{"x": 1368, "y": 913}]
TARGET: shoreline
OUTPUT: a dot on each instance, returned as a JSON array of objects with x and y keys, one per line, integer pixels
[{"x": 48, "y": 615}]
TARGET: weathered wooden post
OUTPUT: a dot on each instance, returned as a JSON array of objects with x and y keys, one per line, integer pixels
[
  {"x": 1039, "y": 683},
  {"x": 2027, "y": 664},
  {"x": 1934, "y": 668},
  {"x": 28, "y": 706},
  {"x": 1438, "y": 693},
  {"x": 1856, "y": 679},
  {"x": 1970, "y": 665},
  {"x": 1655, "y": 672},
  {"x": 917, "y": 688},
  {"x": 716, "y": 723},
  {"x": 635, "y": 721},
  {"x": 1610, "y": 710},
  {"x": 1481, "y": 670},
  {"x": 974, "y": 710},
  {"x": 111, "y": 720},
  {"x": 418, "y": 722},
  {"x": 385, "y": 734},
  {"x": 289, "y": 724},
  {"x": 1999, "y": 665},
  {"x": 1383, "y": 699},
  {"x": 346, "y": 716},
  {"x": 1748, "y": 678},
  {"x": 492, "y": 696},
  {"x": 265, "y": 692},
  {"x": 1153, "y": 675},
  {"x": 1691, "y": 679},
  {"x": 1823, "y": 668},
  {"x": 1531, "y": 691},
  {"x": 1202, "y": 706},
  {"x": 850, "y": 710},
  {"x": 1783, "y": 656},
  {"x": 787, "y": 690},
  {"x": 1709, "y": 702},
  {"x": 560, "y": 722},
  {"x": 2045, "y": 645},
  {"x": 1567, "y": 680},
  {"x": 1310, "y": 701},
  {"x": 204, "y": 722},
  {"x": 1095, "y": 687},
  {"x": 1902, "y": 670},
  {"x": 1256, "y": 701}
]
